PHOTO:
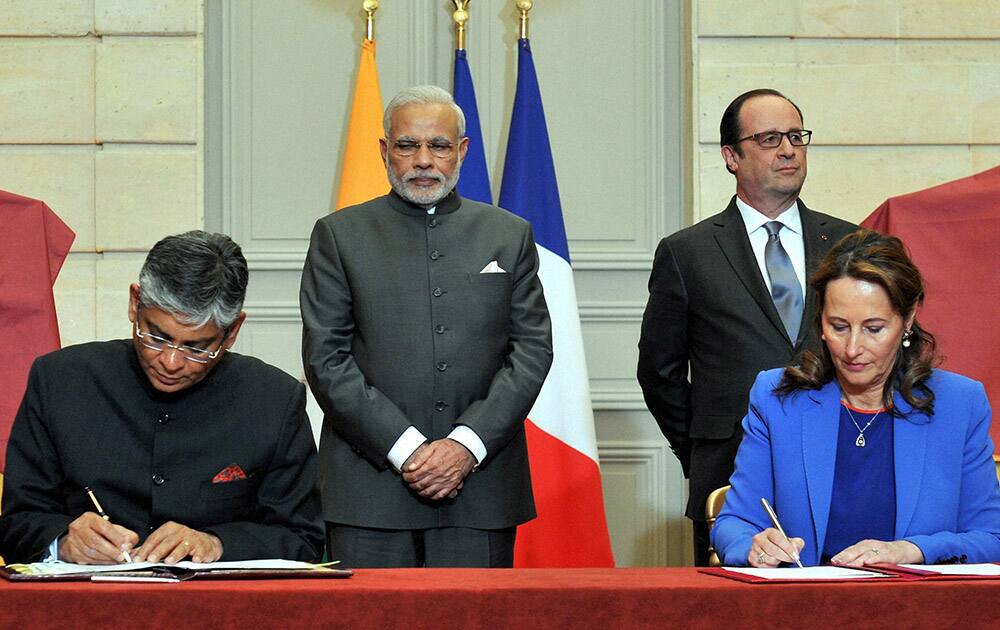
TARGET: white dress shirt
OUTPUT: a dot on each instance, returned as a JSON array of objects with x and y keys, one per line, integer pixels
[{"x": 790, "y": 235}]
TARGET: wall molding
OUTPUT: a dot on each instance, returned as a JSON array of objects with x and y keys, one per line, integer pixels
[{"x": 659, "y": 496}]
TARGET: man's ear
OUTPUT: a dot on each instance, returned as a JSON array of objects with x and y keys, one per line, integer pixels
[
  {"x": 133, "y": 302},
  {"x": 234, "y": 329},
  {"x": 731, "y": 158}
]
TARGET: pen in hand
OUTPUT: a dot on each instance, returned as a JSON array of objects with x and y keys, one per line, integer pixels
[
  {"x": 777, "y": 525},
  {"x": 102, "y": 514}
]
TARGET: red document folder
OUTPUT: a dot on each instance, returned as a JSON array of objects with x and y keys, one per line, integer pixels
[{"x": 884, "y": 575}]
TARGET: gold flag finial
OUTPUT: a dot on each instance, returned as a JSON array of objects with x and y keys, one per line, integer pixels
[
  {"x": 461, "y": 16},
  {"x": 524, "y": 6},
  {"x": 370, "y": 7}
]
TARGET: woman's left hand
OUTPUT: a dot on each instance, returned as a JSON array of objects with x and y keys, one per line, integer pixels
[{"x": 876, "y": 551}]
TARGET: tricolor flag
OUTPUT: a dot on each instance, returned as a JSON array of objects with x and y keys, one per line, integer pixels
[
  {"x": 362, "y": 173},
  {"x": 571, "y": 529},
  {"x": 475, "y": 180}
]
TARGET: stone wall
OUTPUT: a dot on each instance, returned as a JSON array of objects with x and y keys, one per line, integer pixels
[
  {"x": 101, "y": 117},
  {"x": 901, "y": 94}
]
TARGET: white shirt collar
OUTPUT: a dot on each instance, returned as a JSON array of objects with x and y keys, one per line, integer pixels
[{"x": 754, "y": 219}]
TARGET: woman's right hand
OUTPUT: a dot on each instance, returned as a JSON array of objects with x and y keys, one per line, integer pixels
[{"x": 770, "y": 548}]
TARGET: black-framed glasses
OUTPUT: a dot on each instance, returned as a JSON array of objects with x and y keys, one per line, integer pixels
[
  {"x": 772, "y": 139},
  {"x": 409, "y": 148},
  {"x": 159, "y": 344}
]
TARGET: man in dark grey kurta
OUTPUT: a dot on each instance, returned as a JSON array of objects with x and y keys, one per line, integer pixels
[{"x": 426, "y": 340}]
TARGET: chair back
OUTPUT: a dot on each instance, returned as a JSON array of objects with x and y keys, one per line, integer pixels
[{"x": 713, "y": 505}]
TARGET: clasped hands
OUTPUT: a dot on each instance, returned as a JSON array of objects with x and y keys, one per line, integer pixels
[
  {"x": 438, "y": 469},
  {"x": 770, "y": 548},
  {"x": 92, "y": 540}
]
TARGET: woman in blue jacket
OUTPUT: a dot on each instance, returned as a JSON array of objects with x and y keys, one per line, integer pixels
[{"x": 867, "y": 453}]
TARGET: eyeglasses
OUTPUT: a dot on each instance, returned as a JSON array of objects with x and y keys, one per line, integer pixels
[
  {"x": 772, "y": 139},
  {"x": 408, "y": 148},
  {"x": 159, "y": 344}
]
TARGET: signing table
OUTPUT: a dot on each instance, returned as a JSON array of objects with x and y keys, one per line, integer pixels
[{"x": 526, "y": 598}]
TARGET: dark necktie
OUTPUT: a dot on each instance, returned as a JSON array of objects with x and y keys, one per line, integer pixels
[{"x": 785, "y": 289}]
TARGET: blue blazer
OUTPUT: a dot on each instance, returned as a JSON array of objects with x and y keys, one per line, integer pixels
[{"x": 947, "y": 495}]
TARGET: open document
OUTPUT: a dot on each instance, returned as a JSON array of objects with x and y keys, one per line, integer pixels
[
  {"x": 160, "y": 572},
  {"x": 807, "y": 573},
  {"x": 796, "y": 574},
  {"x": 967, "y": 570}
]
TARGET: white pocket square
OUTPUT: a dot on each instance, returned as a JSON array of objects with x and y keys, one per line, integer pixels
[{"x": 493, "y": 267}]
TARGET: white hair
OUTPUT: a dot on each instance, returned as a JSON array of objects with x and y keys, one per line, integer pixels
[{"x": 422, "y": 95}]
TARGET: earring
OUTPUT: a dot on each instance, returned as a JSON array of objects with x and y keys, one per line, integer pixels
[{"x": 906, "y": 338}]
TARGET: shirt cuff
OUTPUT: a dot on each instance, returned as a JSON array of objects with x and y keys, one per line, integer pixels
[
  {"x": 465, "y": 436},
  {"x": 404, "y": 447},
  {"x": 53, "y": 551}
]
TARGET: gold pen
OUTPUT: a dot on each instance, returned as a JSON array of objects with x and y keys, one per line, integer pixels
[
  {"x": 102, "y": 514},
  {"x": 777, "y": 525}
]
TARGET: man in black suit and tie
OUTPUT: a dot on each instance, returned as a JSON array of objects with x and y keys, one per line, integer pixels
[
  {"x": 728, "y": 297},
  {"x": 426, "y": 340}
]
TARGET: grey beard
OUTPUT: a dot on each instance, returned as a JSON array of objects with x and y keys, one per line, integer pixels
[{"x": 429, "y": 198}]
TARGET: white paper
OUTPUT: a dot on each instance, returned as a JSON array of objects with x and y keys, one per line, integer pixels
[
  {"x": 957, "y": 569},
  {"x": 807, "y": 573},
  {"x": 60, "y": 568}
]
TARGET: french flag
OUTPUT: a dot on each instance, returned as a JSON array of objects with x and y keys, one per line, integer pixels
[{"x": 571, "y": 529}]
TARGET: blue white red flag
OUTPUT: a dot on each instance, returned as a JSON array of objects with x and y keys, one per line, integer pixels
[{"x": 571, "y": 529}]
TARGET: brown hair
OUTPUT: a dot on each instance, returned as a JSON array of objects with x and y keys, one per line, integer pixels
[{"x": 882, "y": 260}]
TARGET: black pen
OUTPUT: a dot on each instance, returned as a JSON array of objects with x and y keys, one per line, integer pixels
[
  {"x": 102, "y": 514},
  {"x": 777, "y": 525}
]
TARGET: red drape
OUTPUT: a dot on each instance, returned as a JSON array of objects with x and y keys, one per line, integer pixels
[
  {"x": 33, "y": 244},
  {"x": 953, "y": 234}
]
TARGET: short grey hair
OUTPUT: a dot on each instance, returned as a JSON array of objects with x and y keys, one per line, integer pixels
[
  {"x": 422, "y": 95},
  {"x": 197, "y": 277}
]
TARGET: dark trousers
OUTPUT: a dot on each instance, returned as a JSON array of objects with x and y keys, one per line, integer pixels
[
  {"x": 365, "y": 547},
  {"x": 701, "y": 543}
]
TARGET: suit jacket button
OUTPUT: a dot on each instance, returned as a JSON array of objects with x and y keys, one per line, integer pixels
[
  {"x": 435, "y": 255},
  {"x": 440, "y": 405},
  {"x": 432, "y": 223},
  {"x": 442, "y": 366},
  {"x": 437, "y": 292},
  {"x": 163, "y": 418},
  {"x": 439, "y": 329},
  {"x": 159, "y": 480}
]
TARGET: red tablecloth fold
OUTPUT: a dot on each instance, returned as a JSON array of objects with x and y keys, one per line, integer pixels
[{"x": 33, "y": 245}]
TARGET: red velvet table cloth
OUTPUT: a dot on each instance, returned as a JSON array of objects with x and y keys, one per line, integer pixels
[{"x": 509, "y": 598}]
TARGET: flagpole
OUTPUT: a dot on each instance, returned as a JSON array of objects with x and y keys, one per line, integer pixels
[
  {"x": 524, "y": 6},
  {"x": 370, "y": 7},
  {"x": 461, "y": 16}
]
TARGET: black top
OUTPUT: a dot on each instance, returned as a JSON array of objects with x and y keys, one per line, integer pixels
[{"x": 90, "y": 417}]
